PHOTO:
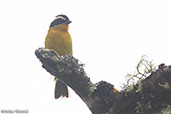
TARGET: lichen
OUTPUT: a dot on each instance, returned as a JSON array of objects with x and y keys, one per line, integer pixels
[
  {"x": 166, "y": 110},
  {"x": 143, "y": 69},
  {"x": 165, "y": 85},
  {"x": 141, "y": 107},
  {"x": 139, "y": 89}
]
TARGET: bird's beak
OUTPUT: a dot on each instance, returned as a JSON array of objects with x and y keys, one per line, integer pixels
[{"x": 68, "y": 22}]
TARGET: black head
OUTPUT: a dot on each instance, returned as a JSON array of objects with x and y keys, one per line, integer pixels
[{"x": 60, "y": 19}]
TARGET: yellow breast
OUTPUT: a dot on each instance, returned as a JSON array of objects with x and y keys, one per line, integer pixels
[{"x": 59, "y": 40}]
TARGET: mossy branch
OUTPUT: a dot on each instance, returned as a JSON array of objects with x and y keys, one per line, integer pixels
[
  {"x": 68, "y": 69},
  {"x": 149, "y": 96}
]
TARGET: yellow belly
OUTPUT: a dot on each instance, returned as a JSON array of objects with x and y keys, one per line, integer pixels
[{"x": 60, "y": 41}]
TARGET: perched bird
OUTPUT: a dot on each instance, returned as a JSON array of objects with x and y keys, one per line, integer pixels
[{"x": 59, "y": 39}]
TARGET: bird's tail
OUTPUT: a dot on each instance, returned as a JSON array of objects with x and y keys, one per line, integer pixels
[{"x": 61, "y": 89}]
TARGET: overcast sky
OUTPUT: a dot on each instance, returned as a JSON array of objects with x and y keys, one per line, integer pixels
[{"x": 109, "y": 36}]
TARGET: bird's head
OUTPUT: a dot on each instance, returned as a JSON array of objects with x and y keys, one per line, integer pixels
[{"x": 60, "y": 21}]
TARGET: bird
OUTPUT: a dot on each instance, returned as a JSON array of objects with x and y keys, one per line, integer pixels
[{"x": 59, "y": 39}]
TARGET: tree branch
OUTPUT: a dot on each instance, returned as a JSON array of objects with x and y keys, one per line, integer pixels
[{"x": 149, "y": 96}]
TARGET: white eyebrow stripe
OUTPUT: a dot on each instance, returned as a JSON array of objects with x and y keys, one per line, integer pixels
[{"x": 60, "y": 17}]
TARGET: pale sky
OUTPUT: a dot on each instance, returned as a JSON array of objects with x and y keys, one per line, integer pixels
[{"x": 109, "y": 36}]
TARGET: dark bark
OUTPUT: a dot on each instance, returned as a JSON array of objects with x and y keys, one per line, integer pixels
[{"x": 149, "y": 96}]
